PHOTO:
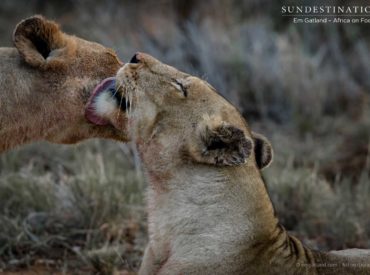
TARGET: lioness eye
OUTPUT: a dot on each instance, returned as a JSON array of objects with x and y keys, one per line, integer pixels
[{"x": 179, "y": 86}]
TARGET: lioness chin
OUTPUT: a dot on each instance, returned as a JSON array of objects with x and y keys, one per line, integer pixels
[
  {"x": 46, "y": 82},
  {"x": 208, "y": 208}
]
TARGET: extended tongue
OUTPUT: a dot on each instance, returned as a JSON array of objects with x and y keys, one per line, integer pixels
[{"x": 92, "y": 113}]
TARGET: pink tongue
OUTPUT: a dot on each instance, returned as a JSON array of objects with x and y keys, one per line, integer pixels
[{"x": 90, "y": 112}]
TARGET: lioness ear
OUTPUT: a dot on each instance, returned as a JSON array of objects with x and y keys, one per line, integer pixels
[
  {"x": 41, "y": 43},
  {"x": 262, "y": 150},
  {"x": 220, "y": 143}
]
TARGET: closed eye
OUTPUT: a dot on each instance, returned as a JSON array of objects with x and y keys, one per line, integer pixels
[{"x": 179, "y": 86}]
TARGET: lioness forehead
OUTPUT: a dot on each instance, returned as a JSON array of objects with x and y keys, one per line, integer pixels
[{"x": 167, "y": 71}]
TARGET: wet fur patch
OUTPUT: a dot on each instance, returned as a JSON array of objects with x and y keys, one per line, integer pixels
[
  {"x": 226, "y": 145},
  {"x": 220, "y": 143}
]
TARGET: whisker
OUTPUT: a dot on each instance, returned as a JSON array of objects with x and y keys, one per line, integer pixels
[
  {"x": 114, "y": 96},
  {"x": 130, "y": 101},
  {"x": 127, "y": 101},
  {"x": 117, "y": 89},
  {"x": 119, "y": 108}
]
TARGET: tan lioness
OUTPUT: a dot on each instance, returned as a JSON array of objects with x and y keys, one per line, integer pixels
[
  {"x": 208, "y": 208},
  {"x": 46, "y": 82}
]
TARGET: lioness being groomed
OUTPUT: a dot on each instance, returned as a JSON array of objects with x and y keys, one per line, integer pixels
[{"x": 208, "y": 208}]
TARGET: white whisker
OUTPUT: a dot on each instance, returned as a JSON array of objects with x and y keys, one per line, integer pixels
[{"x": 119, "y": 108}]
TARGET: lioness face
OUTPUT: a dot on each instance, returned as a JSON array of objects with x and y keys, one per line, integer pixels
[
  {"x": 175, "y": 114},
  {"x": 64, "y": 72}
]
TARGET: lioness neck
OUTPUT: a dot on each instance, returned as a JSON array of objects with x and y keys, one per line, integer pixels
[
  {"x": 26, "y": 95},
  {"x": 15, "y": 128},
  {"x": 228, "y": 215}
]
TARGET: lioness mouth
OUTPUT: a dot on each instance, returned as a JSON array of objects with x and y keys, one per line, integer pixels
[{"x": 105, "y": 90}]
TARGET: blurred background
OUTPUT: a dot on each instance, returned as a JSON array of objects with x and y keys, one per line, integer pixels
[{"x": 81, "y": 209}]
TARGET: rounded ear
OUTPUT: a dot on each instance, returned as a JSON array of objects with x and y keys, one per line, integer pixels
[
  {"x": 221, "y": 144},
  {"x": 262, "y": 150},
  {"x": 41, "y": 43}
]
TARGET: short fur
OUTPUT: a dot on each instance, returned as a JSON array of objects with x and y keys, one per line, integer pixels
[
  {"x": 46, "y": 82},
  {"x": 206, "y": 216}
]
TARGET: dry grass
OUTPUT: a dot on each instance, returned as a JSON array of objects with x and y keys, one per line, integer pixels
[
  {"x": 71, "y": 207},
  {"x": 305, "y": 87}
]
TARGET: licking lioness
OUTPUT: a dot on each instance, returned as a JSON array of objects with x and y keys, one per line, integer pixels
[
  {"x": 208, "y": 208},
  {"x": 46, "y": 82}
]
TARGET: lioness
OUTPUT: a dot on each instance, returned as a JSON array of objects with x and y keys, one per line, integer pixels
[
  {"x": 46, "y": 82},
  {"x": 208, "y": 208}
]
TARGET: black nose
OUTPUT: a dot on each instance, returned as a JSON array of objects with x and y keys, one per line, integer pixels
[{"x": 134, "y": 59}]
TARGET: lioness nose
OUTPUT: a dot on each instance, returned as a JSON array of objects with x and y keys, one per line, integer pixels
[{"x": 135, "y": 59}]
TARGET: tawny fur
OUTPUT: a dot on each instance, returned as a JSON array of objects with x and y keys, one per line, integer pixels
[
  {"x": 206, "y": 218},
  {"x": 45, "y": 83}
]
